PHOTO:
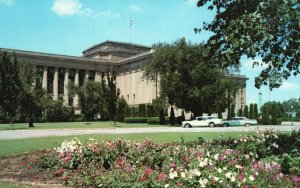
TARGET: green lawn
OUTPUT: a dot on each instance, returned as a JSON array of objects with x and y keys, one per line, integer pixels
[
  {"x": 8, "y": 185},
  {"x": 17, "y": 146},
  {"x": 74, "y": 125}
]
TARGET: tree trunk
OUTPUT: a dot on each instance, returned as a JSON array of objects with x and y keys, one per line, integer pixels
[{"x": 30, "y": 122}]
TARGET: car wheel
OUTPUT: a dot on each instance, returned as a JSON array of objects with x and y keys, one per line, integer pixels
[
  {"x": 225, "y": 125},
  {"x": 211, "y": 124},
  {"x": 247, "y": 125},
  {"x": 187, "y": 126}
]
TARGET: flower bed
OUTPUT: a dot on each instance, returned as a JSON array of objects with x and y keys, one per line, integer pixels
[{"x": 250, "y": 161}]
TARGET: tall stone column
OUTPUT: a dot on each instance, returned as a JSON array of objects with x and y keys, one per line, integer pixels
[
  {"x": 55, "y": 84},
  {"x": 76, "y": 83},
  {"x": 66, "y": 83},
  {"x": 97, "y": 76},
  {"x": 45, "y": 77}
]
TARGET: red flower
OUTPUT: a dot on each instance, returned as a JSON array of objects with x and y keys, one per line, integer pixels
[
  {"x": 143, "y": 178},
  {"x": 65, "y": 178},
  {"x": 172, "y": 165},
  {"x": 186, "y": 159},
  {"x": 23, "y": 163},
  {"x": 178, "y": 184},
  {"x": 120, "y": 162},
  {"x": 148, "y": 171}
]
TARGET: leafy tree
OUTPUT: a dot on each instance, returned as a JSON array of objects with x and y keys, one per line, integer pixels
[
  {"x": 172, "y": 116},
  {"x": 10, "y": 85},
  {"x": 33, "y": 100},
  {"x": 111, "y": 94},
  {"x": 122, "y": 108},
  {"x": 91, "y": 98},
  {"x": 232, "y": 111},
  {"x": 266, "y": 29},
  {"x": 220, "y": 115},
  {"x": 57, "y": 112},
  {"x": 255, "y": 111},
  {"x": 186, "y": 79},
  {"x": 246, "y": 114},
  {"x": 251, "y": 112}
]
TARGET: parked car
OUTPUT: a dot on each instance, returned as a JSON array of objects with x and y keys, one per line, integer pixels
[
  {"x": 202, "y": 121},
  {"x": 240, "y": 121}
]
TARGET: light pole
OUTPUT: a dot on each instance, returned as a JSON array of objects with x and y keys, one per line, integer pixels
[{"x": 292, "y": 115}]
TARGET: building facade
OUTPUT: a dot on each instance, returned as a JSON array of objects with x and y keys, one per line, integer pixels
[{"x": 127, "y": 59}]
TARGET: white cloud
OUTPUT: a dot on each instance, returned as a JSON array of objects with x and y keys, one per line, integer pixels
[
  {"x": 135, "y": 8},
  {"x": 66, "y": 7},
  {"x": 289, "y": 86},
  {"x": 7, "y": 2},
  {"x": 72, "y": 7}
]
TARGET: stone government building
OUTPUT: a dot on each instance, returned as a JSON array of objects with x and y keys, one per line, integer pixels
[{"x": 57, "y": 70}]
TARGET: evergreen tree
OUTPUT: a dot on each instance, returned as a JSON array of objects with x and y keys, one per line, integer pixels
[
  {"x": 246, "y": 111},
  {"x": 182, "y": 115},
  {"x": 251, "y": 112},
  {"x": 265, "y": 115},
  {"x": 10, "y": 85},
  {"x": 122, "y": 107},
  {"x": 161, "y": 117},
  {"x": 172, "y": 116},
  {"x": 255, "y": 111},
  {"x": 240, "y": 113},
  {"x": 140, "y": 110}
]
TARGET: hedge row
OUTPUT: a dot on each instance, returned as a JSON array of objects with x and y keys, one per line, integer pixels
[{"x": 149, "y": 120}]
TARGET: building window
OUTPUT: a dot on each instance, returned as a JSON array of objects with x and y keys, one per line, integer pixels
[
  {"x": 39, "y": 77},
  {"x": 92, "y": 75},
  {"x": 81, "y": 77},
  {"x": 72, "y": 75},
  {"x": 50, "y": 78},
  {"x": 61, "y": 78}
]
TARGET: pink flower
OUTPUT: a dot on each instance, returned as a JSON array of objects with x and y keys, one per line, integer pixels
[
  {"x": 178, "y": 184},
  {"x": 241, "y": 177},
  {"x": 232, "y": 162},
  {"x": 148, "y": 171},
  {"x": 143, "y": 178},
  {"x": 295, "y": 179},
  {"x": 268, "y": 167},
  {"x": 67, "y": 158},
  {"x": 221, "y": 158},
  {"x": 160, "y": 177},
  {"x": 186, "y": 159},
  {"x": 172, "y": 165},
  {"x": 246, "y": 186}
]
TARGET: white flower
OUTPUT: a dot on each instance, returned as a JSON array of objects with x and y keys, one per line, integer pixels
[
  {"x": 196, "y": 172},
  {"x": 203, "y": 182},
  {"x": 235, "y": 141},
  {"x": 167, "y": 185},
  {"x": 216, "y": 157},
  {"x": 232, "y": 179},
  {"x": 238, "y": 166},
  {"x": 251, "y": 178},
  {"x": 216, "y": 178},
  {"x": 228, "y": 175},
  {"x": 173, "y": 174},
  {"x": 183, "y": 175},
  {"x": 208, "y": 154},
  {"x": 219, "y": 170}
]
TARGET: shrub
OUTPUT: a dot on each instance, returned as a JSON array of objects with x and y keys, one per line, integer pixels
[
  {"x": 155, "y": 120},
  {"x": 161, "y": 117},
  {"x": 57, "y": 112},
  {"x": 135, "y": 119}
]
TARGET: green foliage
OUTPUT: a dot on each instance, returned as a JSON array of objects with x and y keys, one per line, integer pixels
[
  {"x": 265, "y": 120},
  {"x": 264, "y": 29},
  {"x": 246, "y": 114},
  {"x": 91, "y": 99},
  {"x": 156, "y": 120},
  {"x": 161, "y": 117},
  {"x": 255, "y": 111},
  {"x": 10, "y": 85},
  {"x": 135, "y": 119},
  {"x": 220, "y": 115},
  {"x": 187, "y": 80},
  {"x": 240, "y": 112},
  {"x": 57, "y": 112},
  {"x": 122, "y": 108},
  {"x": 251, "y": 112},
  {"x": 172, "y": 116},
  {"x": 232, "y": 111}
]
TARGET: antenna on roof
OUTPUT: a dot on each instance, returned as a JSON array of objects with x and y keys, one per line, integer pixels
[{"x": 130, "y": 25}]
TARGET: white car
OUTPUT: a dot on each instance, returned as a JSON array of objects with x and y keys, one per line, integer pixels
[{"x": 202, "y": 121}]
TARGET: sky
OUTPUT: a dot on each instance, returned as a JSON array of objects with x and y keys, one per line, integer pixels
[{"x": 70, "y": 26}]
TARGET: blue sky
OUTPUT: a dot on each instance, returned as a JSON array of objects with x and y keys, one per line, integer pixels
[{"x": 71, "y": 26}]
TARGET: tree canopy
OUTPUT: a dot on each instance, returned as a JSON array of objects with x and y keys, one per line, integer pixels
[
  {"x": 187, "y": 80},
  {"x": 263, "y": 29}
]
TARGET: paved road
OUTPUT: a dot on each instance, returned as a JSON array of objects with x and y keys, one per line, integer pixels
[{"x": 16, "y": 134}]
